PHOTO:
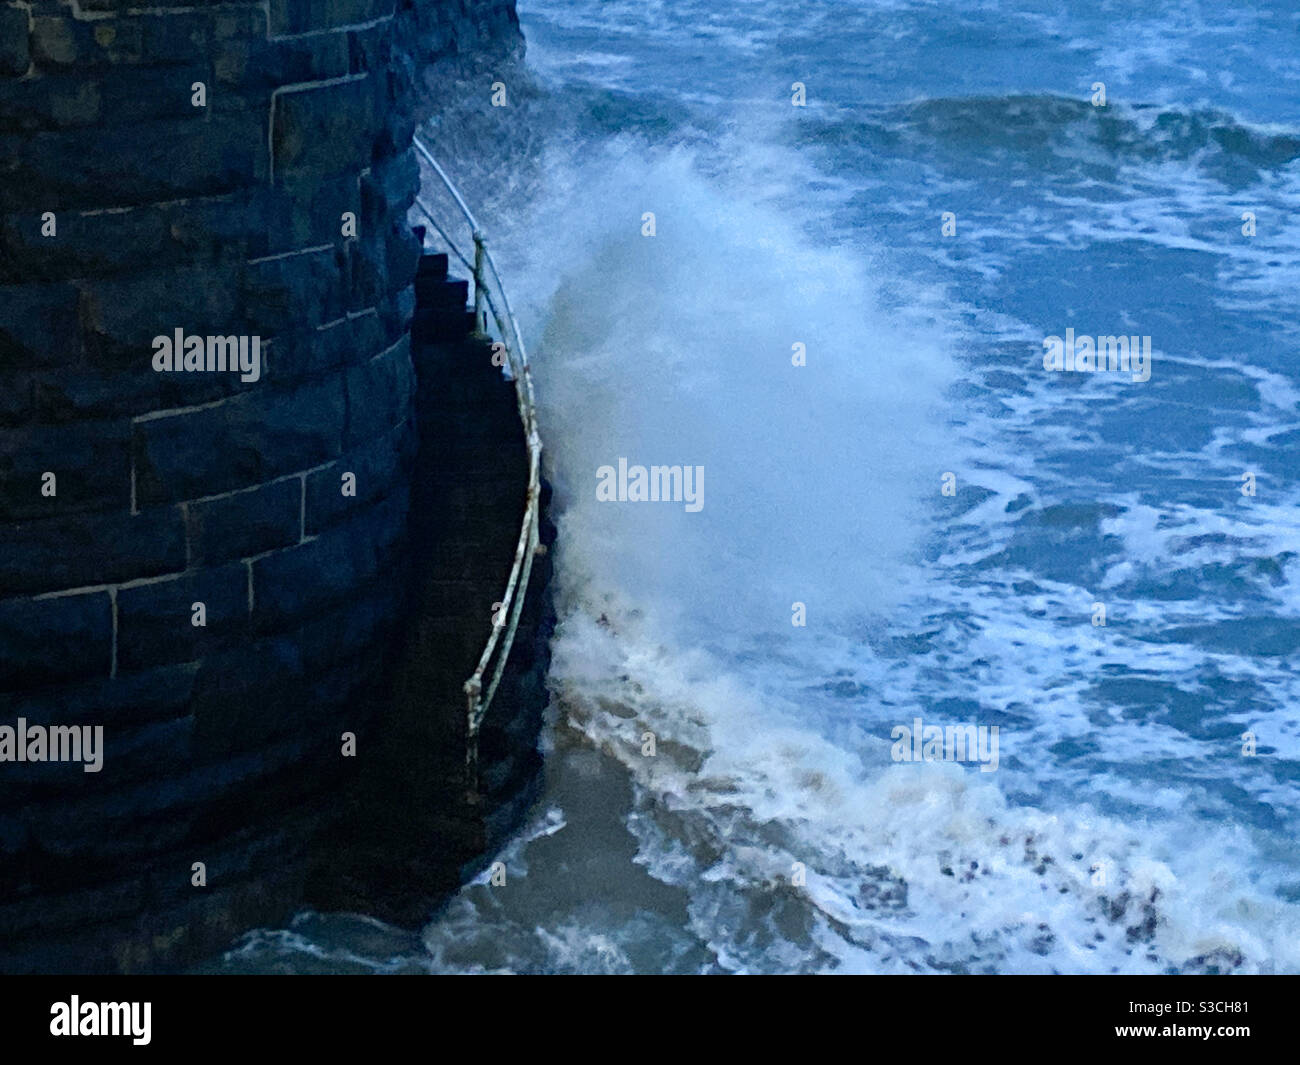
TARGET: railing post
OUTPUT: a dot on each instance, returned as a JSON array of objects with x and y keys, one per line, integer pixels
[
  {"x": 480, "y": 283},
  {"x": 473, "y": 688}
]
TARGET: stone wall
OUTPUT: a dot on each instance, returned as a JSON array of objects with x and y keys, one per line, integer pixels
[
  {"x": 225, "y": 170},
  {"x": 465, "y": 31}
]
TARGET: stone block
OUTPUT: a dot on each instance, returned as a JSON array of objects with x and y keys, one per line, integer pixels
[
  {"x": 39, "y": 326},
  {"x": 301, "y": 16},
  {"x": 55, "y": 40},
  {"x": 91, "y": 463},
  {"x": 159, "y": 160},
  {"x": 128, "y": 701},
  {"x": 245, "y": 523},
  {"x": 389, "y": 190},
  {"x": 155, "y": 620},
  {"x": 246, "y": 440},
  {"x": 14, "y": 55},
  {"x": 50, "y": 103},
  {"x": 291, "y": 585},
  {"x": 120, "y": 316},
  {"x": 294, "y": 291},
  {"x": 90, "y": 549},
  {"x": 48, "y": 641},
  {"x": 132, "y": 95},
  {"x": 179, "y": 37},
  {"x": 402, "y": 255},
  {"x": 380, "y": 394},
  {"x": 314, "y": 216},
  {"x": 61, "y": 397},
  {"x": 294, "y": 60},
  {"x": 317, "y": 132},
  {"x": 378, "y": 466}
]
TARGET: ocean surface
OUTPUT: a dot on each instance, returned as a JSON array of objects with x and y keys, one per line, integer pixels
[{"x": 1126, "y": 828}]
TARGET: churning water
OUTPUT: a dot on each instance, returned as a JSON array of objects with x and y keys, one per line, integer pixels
[{"x": 1124, "y": 830}]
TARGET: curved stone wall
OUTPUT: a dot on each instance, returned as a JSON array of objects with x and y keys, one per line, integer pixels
[{"x": 213, "y": 171}]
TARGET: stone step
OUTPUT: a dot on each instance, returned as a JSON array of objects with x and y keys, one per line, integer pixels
[
  {"x": 434, "y": 291},
  {"x": 467, "y": 499},
  {"x": 435, "y": 324},
  {"x": 432, "y": 267}
]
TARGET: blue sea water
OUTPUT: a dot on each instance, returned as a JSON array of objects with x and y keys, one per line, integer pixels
[{"x": 1124, "y": 829}]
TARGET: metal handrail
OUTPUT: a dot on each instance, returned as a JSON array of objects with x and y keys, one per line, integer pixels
[{"x": 502, "y": 636}]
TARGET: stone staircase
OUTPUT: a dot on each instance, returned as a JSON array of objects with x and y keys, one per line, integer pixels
[{"x": 412, "y": 831}]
